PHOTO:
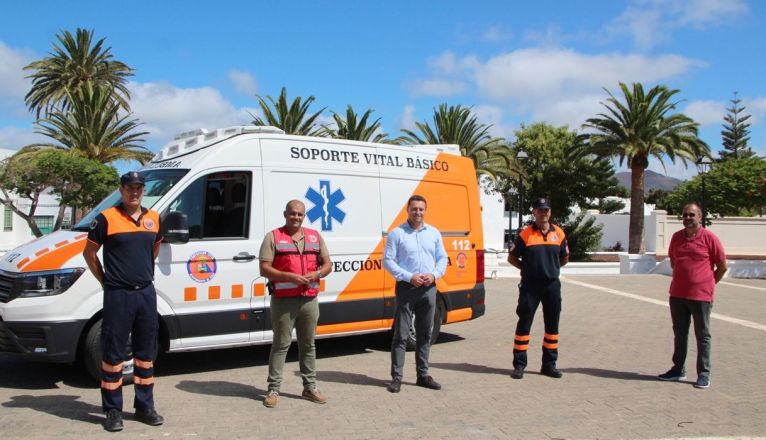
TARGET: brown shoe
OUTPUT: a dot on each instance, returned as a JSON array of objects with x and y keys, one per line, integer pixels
[
  {"x": 271, "y": 399},
  {"x": 314, "y": 396}
]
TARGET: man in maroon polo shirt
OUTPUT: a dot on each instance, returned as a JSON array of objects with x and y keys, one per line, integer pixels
[{"x": 698, "y": 262}]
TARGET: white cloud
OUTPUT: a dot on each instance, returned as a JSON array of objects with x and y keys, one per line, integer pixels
[
  {"x": 448, "y": 73},
  {"x": 706, "y": 112},
  {"x": 437, "y": 87},
  {"x": 756, "y": 107},
  {"x": 677, "y": 170},
  {"x": 493, "y": 115},
  {"x": 562, "y": 86},
  {"x": 531, "y": 73},
  {"x": 13, "y": 85},
  {"x": 645, "y": 26},
  {"x": 551, "y": 36},
  {"x": 651, "y": 22},
  {"x": 167, "y": 110},
  {"x": 703, "y": 12},
  {"x": 243, "y": 82},
  {"x": 496, "y": 34},
  {"x": 15, "y": 137},
  {"x": 448, "y": 64},
  {"x": 571, "y": 111},
  {"x": 406, "y": 120}
]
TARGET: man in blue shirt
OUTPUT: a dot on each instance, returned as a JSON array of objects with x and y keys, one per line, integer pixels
[{"x": 415, "y": 257}]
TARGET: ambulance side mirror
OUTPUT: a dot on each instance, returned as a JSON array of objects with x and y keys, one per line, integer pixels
[{"x": 175, "y": 228}]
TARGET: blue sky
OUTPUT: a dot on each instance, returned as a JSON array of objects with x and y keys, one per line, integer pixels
[{"x": 200, "y": 64}]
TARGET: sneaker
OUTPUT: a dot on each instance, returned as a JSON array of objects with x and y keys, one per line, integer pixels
[
  {"x": 395, "y": 386},
  {"x": 314, "y": 396},
  {"x": 702, "y": 382},
  {"x": 428, "y": 382},
  {"x": 113, "y": 422},
  {"x": 270, "y": 401},
  {"x": 517, "y": 373},
  {"x": 672, "y": 375},
  {"x": 149, "y": 416},
  {"x": 551, "y": 371}
]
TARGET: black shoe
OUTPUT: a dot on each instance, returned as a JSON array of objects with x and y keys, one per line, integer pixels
[
  {"x": 149, "y": 416},
  {"x": 113, "y": 421},
  {"x": 428, "y": 382},
  {"x": 395, "y": 386},
  {"x": 551, "y": 371},
  {"x": 517, "y": 373},
  {"x": 673, "y": 374}
]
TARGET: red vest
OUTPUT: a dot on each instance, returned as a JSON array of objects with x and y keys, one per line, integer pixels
[{"x": 287, "y": 258}]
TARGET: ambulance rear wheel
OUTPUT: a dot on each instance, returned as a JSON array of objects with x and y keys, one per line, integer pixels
[
  {"x": 92, "y": 355},
  {"x": 412, "y": 338}
]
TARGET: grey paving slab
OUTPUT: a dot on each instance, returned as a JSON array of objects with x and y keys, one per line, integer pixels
[{"x": 612, "y": 347}]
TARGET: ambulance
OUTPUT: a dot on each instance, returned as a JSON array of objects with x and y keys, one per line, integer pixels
[{"x": 218, "y": 193}]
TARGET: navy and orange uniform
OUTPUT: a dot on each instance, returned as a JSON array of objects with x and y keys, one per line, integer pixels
[
  {"x": 540, "y": 254},
  {"x": 130, "y": 302}
]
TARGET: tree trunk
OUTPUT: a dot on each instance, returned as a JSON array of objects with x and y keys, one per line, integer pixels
[
  {"x": 27, "y": 216},
  {"x": 59, "y": 218},
  {"x": 636, "y": 230}
]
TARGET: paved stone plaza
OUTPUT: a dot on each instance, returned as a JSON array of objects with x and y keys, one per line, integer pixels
[{"x": 615, "y": 338}]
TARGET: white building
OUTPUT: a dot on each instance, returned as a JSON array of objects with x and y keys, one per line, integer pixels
[{"x": 15, "y": 230}]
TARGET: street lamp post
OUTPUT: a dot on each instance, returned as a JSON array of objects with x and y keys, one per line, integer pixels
[
  {"x": 704, "y": 166},
  {"x": 521, "y": 156}
]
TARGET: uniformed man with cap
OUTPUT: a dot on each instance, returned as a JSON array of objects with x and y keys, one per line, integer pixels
[
  {"x": 539, "y": 252},
  {"x": 130, "y": 235}
]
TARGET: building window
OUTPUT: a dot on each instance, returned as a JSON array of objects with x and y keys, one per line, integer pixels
[
  {"x": 8, "y": 222},
  {"x": 44, "y": 223}
]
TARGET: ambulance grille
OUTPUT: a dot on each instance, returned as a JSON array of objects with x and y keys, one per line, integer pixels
[
  {"x": 6, "y": 284},
  {"x": 6, "y": 343}
]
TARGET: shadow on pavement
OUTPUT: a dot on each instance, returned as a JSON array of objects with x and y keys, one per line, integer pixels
[
  {"x": 610, "y": 374},
  {"x": 469, "y": 368},
  {"x": 350, "y": 378},
  {"x": 66, "y": 407},
  {"x": 221, "y": 388},
  {"x": 172, "y": 364},
  {"x": 22, "y": 374},
  {"x": 448, "y": 337}
]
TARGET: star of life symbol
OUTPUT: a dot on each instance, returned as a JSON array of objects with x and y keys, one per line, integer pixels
[{"x": 325, "y": 205}]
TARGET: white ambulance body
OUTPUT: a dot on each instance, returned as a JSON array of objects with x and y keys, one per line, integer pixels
[{"x": 232, "y": 184}]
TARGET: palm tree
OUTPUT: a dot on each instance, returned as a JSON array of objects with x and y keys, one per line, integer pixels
[
  {"x": 637, "y": 130},
  {"x": 289, "y": 117},
  {"x": 457, "y": 125},
  {"x": 355, "y": 128},
  {"x": 93, "y": 128},
  {"x": 74, "y": 63}
]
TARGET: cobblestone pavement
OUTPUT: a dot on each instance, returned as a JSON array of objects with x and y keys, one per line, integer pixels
[{"x": 615, "y": 338}]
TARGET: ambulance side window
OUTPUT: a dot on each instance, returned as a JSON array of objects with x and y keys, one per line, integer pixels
[{"x": 217, "y": 205}]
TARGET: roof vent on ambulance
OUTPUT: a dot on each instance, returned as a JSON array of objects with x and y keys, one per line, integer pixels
[{"x": 193, "y": 140}]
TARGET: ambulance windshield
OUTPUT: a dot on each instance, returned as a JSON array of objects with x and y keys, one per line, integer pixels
[{"x": 158, "y": 182}]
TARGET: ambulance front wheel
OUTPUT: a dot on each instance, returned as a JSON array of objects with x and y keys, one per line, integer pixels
[
  {"x": 92, "y": 355},
  {"x": 438, "y": 316}
]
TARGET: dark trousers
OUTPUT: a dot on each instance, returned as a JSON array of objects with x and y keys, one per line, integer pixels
[
  {"x": 128, "y": 312},
  {"x": 531, "y": 294},
  {"x": 682, "y": 311},
  {"x": 420, "y": 301}
]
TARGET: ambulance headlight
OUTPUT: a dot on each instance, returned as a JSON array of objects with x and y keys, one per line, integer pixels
[{"x": 45, "y": 283}]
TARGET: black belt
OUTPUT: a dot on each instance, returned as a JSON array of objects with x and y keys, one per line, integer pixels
[
  {"x": 412, "y": 286},
  {"x": 131, "y": 287}
]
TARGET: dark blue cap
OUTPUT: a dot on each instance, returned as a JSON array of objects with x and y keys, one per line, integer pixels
[
  {"x": 541, "y": 203},
  {"x": 132, "y": 177}
]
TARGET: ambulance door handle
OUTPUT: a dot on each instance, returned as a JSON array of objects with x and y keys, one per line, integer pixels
[{"x": 244, "y": 256}]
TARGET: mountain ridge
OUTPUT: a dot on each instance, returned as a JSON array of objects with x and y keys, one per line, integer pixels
[{"x": 652, "y": 180}]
